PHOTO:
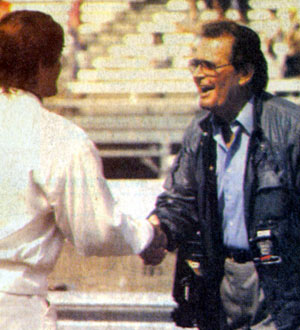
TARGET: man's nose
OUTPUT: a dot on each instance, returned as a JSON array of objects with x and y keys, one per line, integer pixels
[
  {"x": 199, "y": 72},
  {"x": 197, "y": 79}
]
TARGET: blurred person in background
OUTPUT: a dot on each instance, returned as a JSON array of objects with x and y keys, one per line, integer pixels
[
  {"x": 78, "y": 44},
  {"x": 221, "y": 6},
  {"x": 51, "y": 182},
  {"x": 292, "y": 38},
  {"x": 242, "y": 6},
  {"x": 5, "y": 8},
  {"x": 231, "y": 204}
]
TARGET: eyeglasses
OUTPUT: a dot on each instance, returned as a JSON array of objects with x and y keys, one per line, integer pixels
[{"x": 206, "y": 67}]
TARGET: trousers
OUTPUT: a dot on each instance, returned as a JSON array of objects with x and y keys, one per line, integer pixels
[{"x": 243, "y": 298}]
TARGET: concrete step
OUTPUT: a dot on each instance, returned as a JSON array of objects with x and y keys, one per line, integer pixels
[
  {"x": 94, "y": 325},
  {"x": 126, "y": 310}
]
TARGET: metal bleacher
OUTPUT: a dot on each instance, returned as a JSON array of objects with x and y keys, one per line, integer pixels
[{"x": 133, "y": 91}]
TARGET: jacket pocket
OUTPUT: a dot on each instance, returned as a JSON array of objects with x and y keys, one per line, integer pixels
[
  {"x": 270, "y": 179},
  {"x": 272, "y": 200}
]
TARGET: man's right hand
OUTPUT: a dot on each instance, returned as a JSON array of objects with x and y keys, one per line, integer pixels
[{"x": 156, "y": 251}]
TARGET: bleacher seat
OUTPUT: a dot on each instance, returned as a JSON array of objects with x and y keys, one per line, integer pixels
[
  {"x": 142, "y": 74},
  {"x": 151, "y": 51},
  {"x": 168, "y": 39},
  {"x": 291, "y": 85},
  {"x": 208, "y": 15},
  {"x": 138, "y": 39},
  {"x": 58, "y": 10},
  {"x": 92, "y": 28},
  {"x": 152, "y": 27},
  {"x": 97, "y": 16},
  {"x": 180, "y": 62},
  {"x": 178, "y": 38},
  {"x": 259, "y": 14},
  {"x": 156, "y": 133},
  {"x": 109, "y": 6},
  {"x": 273, "y": 4},
  {"x": 119, "y": 62},
  {"x": 136, "y": 87},
  {"x": 177, "y": 5},
  {"x": 233, "y": 14},
  {"x": 170, "y": 17},
  {"x": 267, "y": 27}
]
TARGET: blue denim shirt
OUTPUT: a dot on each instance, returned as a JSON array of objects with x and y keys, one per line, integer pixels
[{"x": 231, "y": 165}]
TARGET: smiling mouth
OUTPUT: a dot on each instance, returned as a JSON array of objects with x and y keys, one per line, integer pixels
[{"x": 205, "y": 89}]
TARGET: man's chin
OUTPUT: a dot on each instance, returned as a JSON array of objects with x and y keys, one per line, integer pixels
[
  {"x": 214, "y": 110},
  {"x": 207, "y": 107},
  {"x": 205, "y": 104}
]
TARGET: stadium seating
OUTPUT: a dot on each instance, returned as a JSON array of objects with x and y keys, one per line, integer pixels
[
  {"x": 132, "y": 86},
  {"x": 274, "y": 4}
]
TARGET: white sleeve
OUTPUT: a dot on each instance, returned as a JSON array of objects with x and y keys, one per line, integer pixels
[{"x": 87, "y": 214}]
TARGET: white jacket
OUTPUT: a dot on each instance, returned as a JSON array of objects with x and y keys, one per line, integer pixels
[{"x": 52, "y": 187}]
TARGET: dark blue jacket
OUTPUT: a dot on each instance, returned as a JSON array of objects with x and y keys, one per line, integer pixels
[{"x": 272, "y": 198}]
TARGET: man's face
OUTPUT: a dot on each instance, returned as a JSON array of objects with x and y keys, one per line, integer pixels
[{"x": 218, "y": 89}]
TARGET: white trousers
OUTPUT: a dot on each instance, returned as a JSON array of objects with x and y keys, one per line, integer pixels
[{"x": 22, "y": 312}]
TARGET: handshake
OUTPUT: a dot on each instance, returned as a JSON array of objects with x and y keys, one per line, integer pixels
[{"x": 156, "y": 251}]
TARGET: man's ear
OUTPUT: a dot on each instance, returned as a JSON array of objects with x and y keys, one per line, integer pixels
[{"x": 246, "y": 74}]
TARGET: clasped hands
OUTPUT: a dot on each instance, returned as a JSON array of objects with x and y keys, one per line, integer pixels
[{"x": 156, "y": 251}]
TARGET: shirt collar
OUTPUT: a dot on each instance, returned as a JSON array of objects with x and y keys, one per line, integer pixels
[{"x": 244, "y": 118}]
